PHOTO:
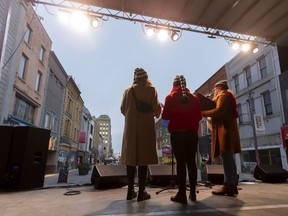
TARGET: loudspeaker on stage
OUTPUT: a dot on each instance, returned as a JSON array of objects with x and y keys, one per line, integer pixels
[
  {"x": 161, "y": 175},
  {"x": 109, "y": 176},
  {"x": 270, "y": 174}
]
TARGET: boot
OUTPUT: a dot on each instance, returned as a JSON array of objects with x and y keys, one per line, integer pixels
[
  {"x": 143, "y": 195},
  {"x": 234, "y": 188},
  {"x": 227, "y": 189},
  {"x": 131, "y": 194},
  {"x": 180, "y": 197},
  {"x": 142, "y": 174},
  {"x": 192, "y": 195}
]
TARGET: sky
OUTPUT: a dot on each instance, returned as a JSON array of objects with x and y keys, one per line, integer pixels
[{"x": 102, "y": 61}]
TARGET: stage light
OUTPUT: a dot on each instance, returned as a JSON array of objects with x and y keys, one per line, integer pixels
[
  {"x": 163, "y": 34},
  {"x": 235, "y": 45},
  {"x": 255, "y": 49},
  {"x": 79, "y": 21},
  {"x": 174, "y": 36},
  {"x": 149, "y": 31},
  {"x": 94, "y": 22},
  {"x": 245, "y": 47}
]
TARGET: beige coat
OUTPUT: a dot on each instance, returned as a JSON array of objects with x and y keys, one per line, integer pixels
[
  {"x": 139, "y": 139},
  {"x": 225, "y": 133}
]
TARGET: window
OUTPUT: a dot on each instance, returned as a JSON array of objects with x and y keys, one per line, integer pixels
[
  {"x": 38, "y": 81},
  {"x": 263, "y": 67},
  {"x": 267, "y": 103},
  {"x": 23, "y": 66},
  {"x": 51, "y": 121},
  {"x": 248, "y": 76},
  {"x": 23, "y": 110},
  {"x": 91, "y": 129},
  {"x": 239, "y": 108},
  {"x": 67, "y": 127},
  {"x": 90, "y": 143},
  {"x": 236, "y": 82},
  {"x": 27, "y": 36},
  {"x": 42, "y": 54}
]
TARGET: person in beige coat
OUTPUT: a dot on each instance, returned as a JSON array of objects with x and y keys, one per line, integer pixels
[
  {"x": 225, "y": 135},
  {"x": 139, "y": 147}
]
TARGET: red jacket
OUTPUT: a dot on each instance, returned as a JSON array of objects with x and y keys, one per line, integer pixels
[{"x": 181, "y": 116}]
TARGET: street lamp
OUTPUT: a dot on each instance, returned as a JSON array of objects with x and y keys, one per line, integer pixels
[{"x": 250, "y": 97}]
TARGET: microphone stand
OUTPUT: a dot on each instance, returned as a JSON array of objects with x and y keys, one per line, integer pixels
[{"x": 172, "y": 182}]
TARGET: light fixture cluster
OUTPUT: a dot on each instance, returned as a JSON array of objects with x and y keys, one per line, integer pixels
[
  {"x": 244, "y": 46},
  {"x": 79, "y": 19},
  {"x": 163, "y": 33}
]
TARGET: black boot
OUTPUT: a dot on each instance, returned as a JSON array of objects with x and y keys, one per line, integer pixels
[
  {"x": 192, "y": 195},
  {"x": 142, "y": 175},
  {"x": 180, "y": 198},
  {"x": 192, "y": 174},
  {"x": 131, "y": 194}
]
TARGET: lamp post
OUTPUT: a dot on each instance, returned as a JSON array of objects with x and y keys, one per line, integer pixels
[{"x": 250, "y": 97}]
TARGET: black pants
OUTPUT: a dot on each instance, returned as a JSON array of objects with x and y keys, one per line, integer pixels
[
  {"x": 142, "y": 175},
  {"x": 184, "y": 147}
]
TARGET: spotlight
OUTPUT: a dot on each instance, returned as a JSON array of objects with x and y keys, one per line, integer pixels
[
  {"x": 94, "y": 22},
  {"x": 174, "y": 36},
  {"x": 255, "y": 49},
  {"x": 235, "y": 45},
  {"x": 149, "y": 31},
  {"x": 245, "y": 47},
  {"x": 163, "y": 34}
]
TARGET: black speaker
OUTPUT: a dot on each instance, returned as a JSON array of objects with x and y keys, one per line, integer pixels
[
  {"x": 270, "y": 174},
  {"x": 161, "y": 175},
  {"x": 109, "y": 176},
  {"x": 5, "y": 145},
  {"x": 215, "y": 174},
  {"x": 27, "y": 159}
]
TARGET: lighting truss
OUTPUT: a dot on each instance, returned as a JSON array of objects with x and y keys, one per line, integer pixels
[{"x": 136, "y": 18}]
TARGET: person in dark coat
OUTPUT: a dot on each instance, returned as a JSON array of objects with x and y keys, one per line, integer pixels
[
  {"x": 182, "y": 109},
  {"x": 225, "y": 135},
  {"x": 139, "y": 148}
]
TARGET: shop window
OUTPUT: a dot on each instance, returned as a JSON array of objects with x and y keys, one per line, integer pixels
[{"x": 23, "y": 110}]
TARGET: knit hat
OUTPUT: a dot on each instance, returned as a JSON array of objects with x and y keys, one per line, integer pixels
[
  {"x": 180, "y": 80},
  {"x": 222, "y": 83},
  {"x": 139, "y": 73}
]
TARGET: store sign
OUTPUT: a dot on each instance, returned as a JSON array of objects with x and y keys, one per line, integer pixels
[
  {"x": 284, "y": 133},
  {"x": 259, "y": 123},
  {"x": 82, "y": 137}
]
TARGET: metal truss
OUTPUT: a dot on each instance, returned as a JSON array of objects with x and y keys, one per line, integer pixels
[{"x": 105, "y": 14}]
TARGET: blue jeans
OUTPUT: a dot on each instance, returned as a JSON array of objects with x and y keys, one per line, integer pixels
[{"x": 230, "y": 170}]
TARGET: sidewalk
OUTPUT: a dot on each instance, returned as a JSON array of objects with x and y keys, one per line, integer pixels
[{"x": 73, "y": 179}]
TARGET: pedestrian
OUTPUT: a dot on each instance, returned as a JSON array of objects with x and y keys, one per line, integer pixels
[
  {"x": 182, "y": 109},
  {"x": 225, "y": 135},
  {"x": 139, "y": 148}
]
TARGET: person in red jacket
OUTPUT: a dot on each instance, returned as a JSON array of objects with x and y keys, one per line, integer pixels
[{"x": 182, "y": 109}]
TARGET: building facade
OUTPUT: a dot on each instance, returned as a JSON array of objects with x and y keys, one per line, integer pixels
[
  {"x": 85, "y": 149},
  {"x": 53, "y": 109},
  {"x": 12, "y": 22},
  {"x": 104, "y": 123},
  {"x": 28, "y": 95},
  {"x": 254, "y": 79},
  {"x": 70, "y": 127}
]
